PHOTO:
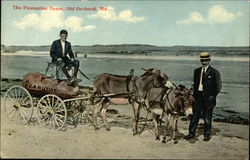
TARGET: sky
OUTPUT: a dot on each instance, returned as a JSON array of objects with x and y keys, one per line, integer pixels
[{"x": 161, "y": 23}]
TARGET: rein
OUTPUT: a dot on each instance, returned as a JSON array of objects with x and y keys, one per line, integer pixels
[
  {"x": 168, "y": 100},
  {"x": 171, "y": 106}
]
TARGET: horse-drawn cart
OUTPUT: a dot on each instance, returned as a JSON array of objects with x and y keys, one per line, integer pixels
[
  {"x": 52, "y": 101},
  {"x": 52, "y": 110}
]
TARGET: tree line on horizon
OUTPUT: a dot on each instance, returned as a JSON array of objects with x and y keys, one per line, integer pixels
[{"x": 137, "y": 49}]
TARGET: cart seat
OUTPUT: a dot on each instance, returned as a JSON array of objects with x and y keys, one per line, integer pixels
[{"x": 54, "y": 70}]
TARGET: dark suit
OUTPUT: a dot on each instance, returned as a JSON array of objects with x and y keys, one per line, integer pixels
[
  {"x": 206, "y": 99},
  {"x": 56, "y": 52}
]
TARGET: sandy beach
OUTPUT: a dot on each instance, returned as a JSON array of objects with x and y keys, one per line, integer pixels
[{"x": 229, "y": 141}]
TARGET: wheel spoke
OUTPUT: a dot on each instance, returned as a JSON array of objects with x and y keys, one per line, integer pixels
[
  {"x": 58, "y": 115},
  {"x": 47, "y": 122},
  {"x": 20, "y": 95},
  {"x": 23, "y": 93},
  {"x": 50, "y": 122},
  {"x": 22, "y": 116},
  {"x": 22, "y": 101},
  {"x": 17, "y": 93},
  {"x": 56, "y": 107},
  {"x": 45, "y": 119},
  {"x": 11, "y": 111},
  {"x": 56, "y": 121},
  {"x": 26, "y": 104},
  {"x": 53, "y": 102},
  {"x": 24, "y": 111},
  {"x": 46, "y": 104},
  {"x": 48, "y": 100},
  {"x": 12, "y": 94},
  {"x": 43, "y": 106},
  {"x": 60, "y": 110},
  {"x": 53, "y": 120},
  {"x": 56, "y": 102},
  {"x": 14, "y": 114},
  {"x": 59, "y": 118},
  {"x": 12, "y": 99}
]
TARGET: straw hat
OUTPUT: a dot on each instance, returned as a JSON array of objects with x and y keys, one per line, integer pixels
[{"x": 204, "y": 56}]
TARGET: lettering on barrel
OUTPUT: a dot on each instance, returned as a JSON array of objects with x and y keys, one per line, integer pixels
[{"x": 36, "y": 87}]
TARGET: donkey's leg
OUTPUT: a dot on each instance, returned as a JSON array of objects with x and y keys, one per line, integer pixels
[
  {"x": 155, "y": 120},
  {"x": 175, "y": 128},
  {"x": 135, "y": 117},
  {"x": 95, "y": 111},
  {"x": 167, "y": 118},
  {"x": 104, "y": 108}
]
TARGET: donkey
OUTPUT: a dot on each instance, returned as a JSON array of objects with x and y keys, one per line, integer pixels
[
  {"x": 169, "y": 103},
  {"x": 115, "y": 84}
]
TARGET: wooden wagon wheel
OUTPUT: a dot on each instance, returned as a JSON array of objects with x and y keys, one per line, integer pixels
[
  {"x": 51, "y": 112},
  {"x": 81, "y": 112},
  {"x": 18, "y": 105}
]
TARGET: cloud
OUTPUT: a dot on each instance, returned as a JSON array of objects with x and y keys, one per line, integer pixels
[
  {"x": 48, "y": 20},
  {"x": 111, "y": 15},
  {"x": 216, "y": 14},
  {"x": 194, "y": 17},
  {"x": 74, "y": 23}
]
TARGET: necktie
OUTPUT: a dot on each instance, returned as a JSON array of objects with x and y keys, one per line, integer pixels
[{"x": 202, "y": 75}]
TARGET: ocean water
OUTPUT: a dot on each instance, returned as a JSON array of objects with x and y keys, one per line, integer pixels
[{"x": 235, "y": 74}]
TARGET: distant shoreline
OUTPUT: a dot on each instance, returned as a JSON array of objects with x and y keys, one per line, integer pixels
[
  {"x": 167, "y": 57},
  {"x": 140, "y": 49},
  {"x": 132, "y": 56}
]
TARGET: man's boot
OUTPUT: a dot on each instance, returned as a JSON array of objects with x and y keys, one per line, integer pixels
[
  {"x": 66, "y": 72},
  {"x": 76, "y": 80},
  {"x": 75, "y": 72}
]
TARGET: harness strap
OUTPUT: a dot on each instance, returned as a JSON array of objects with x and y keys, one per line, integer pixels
[
  {"x": 135, "y": 89},
  {"x": 129, "y": 77},
  {"x": 171, "y": 107}
]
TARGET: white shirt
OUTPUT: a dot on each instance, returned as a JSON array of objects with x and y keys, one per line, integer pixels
[
  {"x": 200, "y": 84},
  {"x": 63, "y": 48}
]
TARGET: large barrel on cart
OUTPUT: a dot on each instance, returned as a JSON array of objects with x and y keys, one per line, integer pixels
[
  {"x": 56, "y": 101},
  {"x": 39, "y": 84}
]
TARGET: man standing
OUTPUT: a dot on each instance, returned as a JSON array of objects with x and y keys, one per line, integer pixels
[
  {"x": 207, "y": 85},
  {"x": 59, "y": 50}
]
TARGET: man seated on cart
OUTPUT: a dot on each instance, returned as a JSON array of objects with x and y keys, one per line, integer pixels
[{"x": 59, "y": 50}]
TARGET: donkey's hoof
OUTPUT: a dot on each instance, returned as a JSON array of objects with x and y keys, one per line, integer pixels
[
  {"x": 175, "y": 142},
  {"x": 134, "y": 133},
  {"x": 108, "y": 129},
  {"x": 157, "y": 138},
  {"x": 163, "y": 141},
  {"x": 97, "y": 128}
]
